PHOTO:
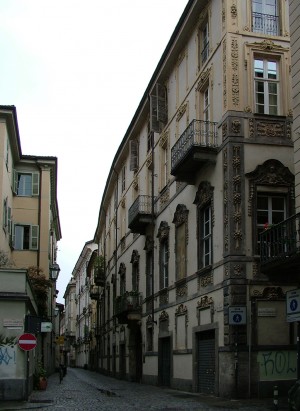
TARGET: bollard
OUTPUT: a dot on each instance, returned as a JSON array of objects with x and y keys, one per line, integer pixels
[{"x": 275, "y": 397}]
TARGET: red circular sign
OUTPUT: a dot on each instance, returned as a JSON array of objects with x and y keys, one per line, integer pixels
[{"x": 27, "y": 342}]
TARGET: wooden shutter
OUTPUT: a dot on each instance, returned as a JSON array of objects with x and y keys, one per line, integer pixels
[
  {"x": 34, "y": 237},
  {"x": 134, "y": 155},
  {"x": 15, "y": 182},
  {"x": 35, "y": 184},
  {"x": 9, "y": 222},
  {"x": 4, "y": 222},
  {"x": 162, "y": 109},
  {"x": 154, "y": 123}
]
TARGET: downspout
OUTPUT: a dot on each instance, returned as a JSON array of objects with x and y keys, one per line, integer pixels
[
  {"x": 116, "y": 235},
  {"x": 39, "y": 220},
  {"x": 152, "y": 223}
]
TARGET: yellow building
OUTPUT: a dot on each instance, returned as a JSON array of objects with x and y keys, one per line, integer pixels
[{"x": 29, "y": 235}]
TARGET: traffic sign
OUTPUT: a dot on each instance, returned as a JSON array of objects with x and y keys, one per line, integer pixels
[
  {"x": 237, "y": 315},
  {"x": 27, "y": 342},
  {"x": 293, "y": 305}
]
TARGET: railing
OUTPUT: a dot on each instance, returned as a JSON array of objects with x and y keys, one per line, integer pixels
[
  {"x": 128, "y": 302},
  {"x": 198, "y": 133},
  {"x": 265, "y": 23},
  {"x": 281, "y": 240},
  {"x": 142, "y": 205}
]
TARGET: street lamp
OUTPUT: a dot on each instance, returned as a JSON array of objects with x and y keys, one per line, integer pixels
[{"x": 54, "y": 271}]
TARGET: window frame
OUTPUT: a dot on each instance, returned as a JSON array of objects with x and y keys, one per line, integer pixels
[
  {"x": 266, "y": 82},
  {"x": 205, "y": 237},
  {"x": 265, "y": 19},
  {"x": 35, "y": 182},
  {"x": 33, "y": 237}
]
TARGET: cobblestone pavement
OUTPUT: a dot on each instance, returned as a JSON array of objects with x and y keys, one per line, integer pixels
[{"x": 85, "y": 390}]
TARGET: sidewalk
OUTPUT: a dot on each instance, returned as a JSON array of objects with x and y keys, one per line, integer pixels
[{"x": 109, "y": 391}]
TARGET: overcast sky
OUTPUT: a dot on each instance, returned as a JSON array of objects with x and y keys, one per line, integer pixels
[{"x": 76, "y": 72}]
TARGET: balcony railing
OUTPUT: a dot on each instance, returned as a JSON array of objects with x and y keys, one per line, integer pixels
[
  {"x": 280, "y": 246},
  {"x": 140, "y": 213},
  {"x": 198, "y": 143},
  {"x": 265, "y": 23},
  {"x": 128, "y": 304}
]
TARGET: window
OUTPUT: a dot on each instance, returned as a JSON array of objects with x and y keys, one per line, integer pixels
[
  {"x": 149, "y": 272},
  {"x": 135, "y": 258},
  {"x": 164, "y": 263},
  {"x": 265, "y": 17},
  {"x": 271, "y": 209},
  {"x": 181, "y": 239},
  {"x": 163, "y": 235},
  {"x": 158, "y": 109},
  {"x": 134, "y": 155},
  {"x": 266, "y": 86},
  {"x": 206, "y": 236},
  {"x": 149, "y": 338},
  {"x": 164, "y": 174},
  {"x": 205, "y": 43},
  {"x": 25, "y": 237},
  {"x": 26, "y": 184},
  {"x": 6, "y": 216},
  {"x": 123, "y": 177}
]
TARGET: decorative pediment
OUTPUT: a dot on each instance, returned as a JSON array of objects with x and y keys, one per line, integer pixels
[
  {"x": 271, "y": 172},
  {"x": 122, "y": 269},
  {"x": 135, "y": 257},
  {"x": 180, "y": 215},
  {"x": 182, "y": 109},
  {"x": 203, "y": 79},
  {"x": 164, "y": 139},
  {"x": 181, "y": 310},
  {"x": 204, "y": 194},
  {"x": 163, "y": 231},
  {"x": 164, "y": 316},
  {"x": 267, "y": 45},
  {"x": 205, "y": 302}
]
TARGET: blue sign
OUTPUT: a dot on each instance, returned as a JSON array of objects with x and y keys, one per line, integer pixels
[
  {"x": 237, "y": 315},
  {"x": 293, "y": 305}
]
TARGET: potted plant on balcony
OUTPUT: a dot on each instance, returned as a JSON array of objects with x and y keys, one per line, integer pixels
[{"x": 99, "y": 272}]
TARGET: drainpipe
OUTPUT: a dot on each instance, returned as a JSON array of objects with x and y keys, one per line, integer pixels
[
  {"x": 152, "y": 222},
  {"x": 39, "y": 220}
]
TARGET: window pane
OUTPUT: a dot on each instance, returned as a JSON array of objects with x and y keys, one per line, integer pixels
[
  {"x": 24, "y": 184},
  {"x": 259, "y": 68},
  {"x": 19, "y": 230}
]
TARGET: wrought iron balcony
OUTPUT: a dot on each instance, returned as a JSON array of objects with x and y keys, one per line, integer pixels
[
  {"x": 265, "y": 23},
  {"x": 280, "y": 247},
  {"x": 129, "y": 307},
  {"x": 140, "y": 214},
  {"x": 195, "y": 147}
]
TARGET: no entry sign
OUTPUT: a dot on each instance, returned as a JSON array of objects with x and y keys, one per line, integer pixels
[{"x": 27, "y": 342}]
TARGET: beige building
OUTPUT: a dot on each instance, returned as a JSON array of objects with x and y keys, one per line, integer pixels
[
  {"x": 83, "y": 306},
  {"x": 193, "y": 297},
  {"x": 29, "y": 234},
  {"x": 70, "y": 323}
]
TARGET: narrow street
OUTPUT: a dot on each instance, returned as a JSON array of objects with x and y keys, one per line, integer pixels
[{"x": 85, "y": 390}]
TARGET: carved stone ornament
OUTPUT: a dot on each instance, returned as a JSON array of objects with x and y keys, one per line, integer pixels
[
  {"x": 135, "y": 257},
  {"x": 135, "y": 183},
  {"x": 205, "y": 280},
  {"x": 205, "y": 302},
  {"x": 164, "y": 139},
  {"x": 163, "y": 231},
  {"x": 180, "y": 215},
  {"x": 181, "y": 310},
  {"x": 236, "y": 126},
  {"x": 123, "y": 202},
  {"x": 204, "y": 76},
  {"x": 182, "y": 109},
  {"x": 204, "y": 194},
  {"x": 164, "y": 316},
  {"x": 149, "y": 244},
  {"x": 233, "y": 11},
  {"x": 181, "y": 291},
  {"x": 269, "y": 293},
  {"x": 122, "y": 269},
  {"x": 165, "y": 196},
  {"x": 149, "y": 320},
  {"x": 268, "y": 129},
  {"x": 149, "y": 160},
  {"x": 267, "y": 45}
]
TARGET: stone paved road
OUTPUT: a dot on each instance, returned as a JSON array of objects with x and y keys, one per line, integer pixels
[{"x": 85, "y": 390}]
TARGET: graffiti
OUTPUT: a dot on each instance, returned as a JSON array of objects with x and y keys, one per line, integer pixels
[
  {"x": 277, "y": 365},
  {"x": 5, "y": 357}
]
